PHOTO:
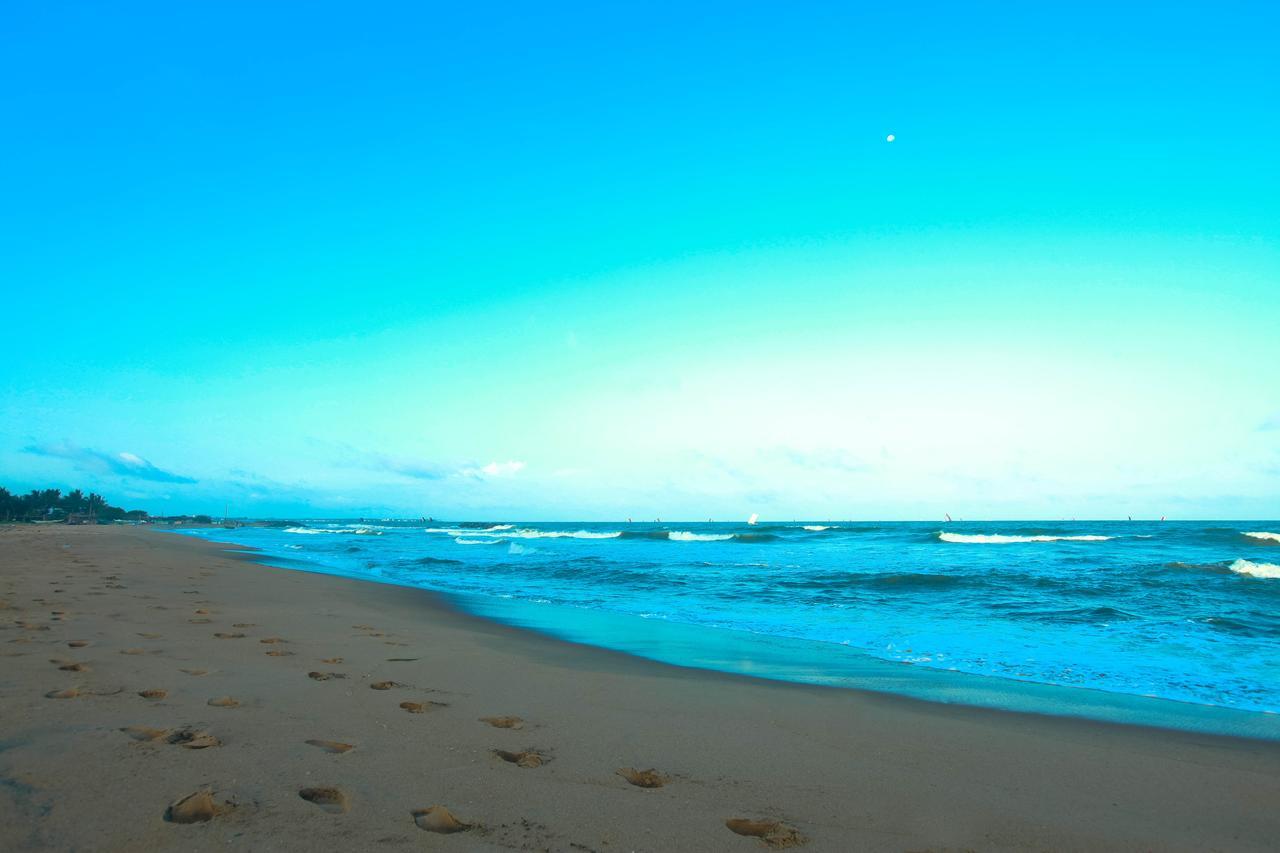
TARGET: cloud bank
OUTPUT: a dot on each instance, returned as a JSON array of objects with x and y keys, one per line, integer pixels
[{"x": 121, "y": 464}]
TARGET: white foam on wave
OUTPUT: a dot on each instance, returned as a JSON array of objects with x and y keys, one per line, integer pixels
[
  {"x": 504, "y": 531},
  {"x": 1262, "y": 534},
  {"x": 466, "y": 531},
  {"x": 686, "y": 536},
  {"x": 1001, "y": 539},
  {"x": 361, "y": 531},
  {"x": 565, "y": 534},
  {"x": 816, "y": 527},
  {"x": 462, "y": 541},
  {"x": 1257, "y": 570}
]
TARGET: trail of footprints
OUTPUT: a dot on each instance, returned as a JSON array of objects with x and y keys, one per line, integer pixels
[{"x": 202, "y": 806}]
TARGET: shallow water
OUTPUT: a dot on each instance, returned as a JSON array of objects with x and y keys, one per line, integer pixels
[{"x": 1185, "y": 611}]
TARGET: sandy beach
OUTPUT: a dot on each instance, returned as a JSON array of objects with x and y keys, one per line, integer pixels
[{"x": 312, "y": 712}]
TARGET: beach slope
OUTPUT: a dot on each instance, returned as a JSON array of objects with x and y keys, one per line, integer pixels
[{"x": 162, "y": 693}]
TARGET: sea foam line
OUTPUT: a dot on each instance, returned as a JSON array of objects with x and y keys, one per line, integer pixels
[
  {"x": 1262, "y": 534},
  {"x": 1002, "y": 539}
]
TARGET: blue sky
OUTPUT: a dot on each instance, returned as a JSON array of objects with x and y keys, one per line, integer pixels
[{"x": 555, "y": 261}]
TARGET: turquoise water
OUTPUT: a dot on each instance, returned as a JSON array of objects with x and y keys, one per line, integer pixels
[{"x": 1167, "y": 623}]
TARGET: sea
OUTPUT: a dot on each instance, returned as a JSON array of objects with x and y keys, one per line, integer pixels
[{"x": 1165, "y": 623}]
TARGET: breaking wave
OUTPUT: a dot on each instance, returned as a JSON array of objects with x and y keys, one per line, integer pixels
[
  {"x": 1257, "y": 570},
  {"x": 1001, "y": 539},
  {"x": 1265, "y": 536},
  {"x": 686, "y": 536}
]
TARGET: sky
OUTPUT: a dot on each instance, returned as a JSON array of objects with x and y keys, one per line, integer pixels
[{"x": 598, "y": 261}]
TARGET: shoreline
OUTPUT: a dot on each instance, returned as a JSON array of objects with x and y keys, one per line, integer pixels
[
  {"x": 861, "y": 671},
  {"x": 840, "y": 765}
]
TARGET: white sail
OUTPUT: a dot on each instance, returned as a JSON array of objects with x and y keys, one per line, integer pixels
[{"x": 755, "y": 516}]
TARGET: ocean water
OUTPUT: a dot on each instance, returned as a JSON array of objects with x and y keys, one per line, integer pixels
[{"x": 1170, "y": 623}]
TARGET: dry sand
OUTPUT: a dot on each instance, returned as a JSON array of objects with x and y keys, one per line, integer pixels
[{"x": 329, "y": 714}]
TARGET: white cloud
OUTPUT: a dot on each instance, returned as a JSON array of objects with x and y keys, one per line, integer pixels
[
  {"x": 495, "y": 469},
  {"x": 501, "y": 469}
]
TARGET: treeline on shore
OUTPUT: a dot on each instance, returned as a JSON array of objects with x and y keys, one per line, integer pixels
[{"x": 74, "y": 506}]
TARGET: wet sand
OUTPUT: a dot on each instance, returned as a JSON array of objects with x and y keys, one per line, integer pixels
[{"x": 158, "y": 693}]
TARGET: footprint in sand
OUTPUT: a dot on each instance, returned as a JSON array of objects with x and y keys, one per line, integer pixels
[
  {"x": 192, "y": 739},
  {"x": 200, "y": 621},
  {"x": 527, "y": 758},
  {"x": 245, "y": 625},
  {"x": 278, "y": 653},
  {"x": 147, "y": 635},
  {"x": 331, "y": 660},
  {"x": 272, "y": 640},
  {"x": 78, "y": 644},
  {"x": 69, "y": 693},
  {"x": 196, "y": 808},
  {"x": 504, "y": 722},
  {"x": 438, "y": 819},
  {"x": 422, "y": 707},
  {"x": 331, "y": 746},
  {"x": 223, "y": 702},
  {"x": 642, "y": 778},
  {"x": 153, "y": 694},
  {"x": 325, "y": 676},
  {"x": 221, "y": 636},
  {"x": 772, "y": 832},
  {"x": 144, "y": 733},
  {"x": 331, "y": 800},
  {"x": 385, "y": 685},
  {"x": 201, "y": 612},
  {"x": 74, "y": 667},
  {"x": 195, "y": 671},
  {"x": 133, "y": 651}
]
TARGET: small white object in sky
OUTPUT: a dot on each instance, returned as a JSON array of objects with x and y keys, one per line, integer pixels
[{"x": 889, "y": 138}]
